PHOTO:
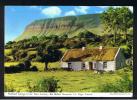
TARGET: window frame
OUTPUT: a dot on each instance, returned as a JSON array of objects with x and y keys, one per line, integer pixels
[
  {"x": 105, "y": 64},
  {"x": 83, "y": 65}
]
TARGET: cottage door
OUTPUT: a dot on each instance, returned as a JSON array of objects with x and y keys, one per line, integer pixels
[
  {"x": 69, "y": 66},
  {"x": 90, "y": 65}
]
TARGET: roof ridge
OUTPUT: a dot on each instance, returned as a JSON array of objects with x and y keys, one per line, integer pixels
[{"x": 106, "y": 53}]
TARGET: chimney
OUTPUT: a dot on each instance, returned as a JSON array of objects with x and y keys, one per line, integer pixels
[
  {"x": 83, "y": 48},
  {"x": 100, "y": 48}
]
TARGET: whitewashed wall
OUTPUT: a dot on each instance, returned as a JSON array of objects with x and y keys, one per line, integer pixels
[
  {"x": 94, "y": 65},
  {"x": 87, "y": 66},
  {"x": 64, "y": 64},
  {"x": 110, "y": 66},
  {"x": 99, "y": 65},
  {"x": 76, "y": 65}
]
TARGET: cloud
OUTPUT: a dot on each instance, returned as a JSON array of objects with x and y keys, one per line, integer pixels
[
  {"x": 82, "y": 9},
  {"x": 51, "y": 11},
  {"x": 98, "y": 11},
  {"x": 36, "y": 7},
  {"x": 33, "y": 6},
  {"x": 69, "y": 13},
  {"x": 103, "y": 7}
]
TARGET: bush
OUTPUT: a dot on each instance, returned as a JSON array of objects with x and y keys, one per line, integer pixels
[
  {"x": 21, "y": 54},
  {"x": 12, "y": 69},
  {"x": 23, "y": 59},
  {"x": 45, "y": 85},
  {"x": 34, "y": 68},
  {"x": 129, "y": 61},
  {"x": 21, "y": 66},
  {"x": 126, "y": 49},
  {"x": 111, "y": 72},
  {"x": 6, "y": 59},
  {"x": 123, "y": 85},
  {"x": 38, "y": 58},
  {"x": 27, "y": 64},
  {"x": 32, "y": 56},
  {"x": 9, "y": 88},
  {"x": 128, "y": 68}
]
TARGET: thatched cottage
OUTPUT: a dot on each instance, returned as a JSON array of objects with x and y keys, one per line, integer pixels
[{"x": 106, "y": 59}]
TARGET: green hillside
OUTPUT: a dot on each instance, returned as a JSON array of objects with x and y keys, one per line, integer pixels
[{"x": 70, "y": 25}]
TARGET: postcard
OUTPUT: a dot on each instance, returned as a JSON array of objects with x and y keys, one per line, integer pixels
[{"x": 68, "y": 51}]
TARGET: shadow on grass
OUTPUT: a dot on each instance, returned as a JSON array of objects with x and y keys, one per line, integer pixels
[{"x": 19, "y": 68}]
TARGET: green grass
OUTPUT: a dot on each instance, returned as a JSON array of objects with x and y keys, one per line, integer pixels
[
  {"x": 8, "y": 64},
  {"x": 79, "y": 81},
  {"x": 69, "y": 81},
  {"x": 31, "y": 52},
  {"x": 63, "y": 50},
  {"x": 90, "y": 46},
  {"x": 39, "y": 65},
  {"x": 7, "y": 52}
]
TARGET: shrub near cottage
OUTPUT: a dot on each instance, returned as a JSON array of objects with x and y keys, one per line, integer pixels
[
  {"x": 44, "y": 85},
  {"x": 9, "y": 88},
  {"x": 122, "y": 85}
]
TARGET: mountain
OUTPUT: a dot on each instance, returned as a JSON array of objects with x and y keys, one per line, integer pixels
[{"x": 70, "y": 25}]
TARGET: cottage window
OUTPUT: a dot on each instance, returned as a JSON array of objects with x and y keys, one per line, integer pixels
[
  {"x": 105, "y": 64},
  {"x": 95, "y": 65},
  {"x": 69, "y": 65},
  {"x": 83, "y": 65}
]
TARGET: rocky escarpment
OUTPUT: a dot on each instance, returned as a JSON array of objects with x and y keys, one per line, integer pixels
[{"x": 71, "y": 25}]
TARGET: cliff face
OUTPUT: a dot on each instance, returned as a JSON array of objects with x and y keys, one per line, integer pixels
[{"x": 71, "y": 25}]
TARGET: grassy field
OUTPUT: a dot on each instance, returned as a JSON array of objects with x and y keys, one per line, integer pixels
[
  {"x": 69, "y": 81},
  {"x": 7, "y": 52},
  {"x": 39, "y": 65}
]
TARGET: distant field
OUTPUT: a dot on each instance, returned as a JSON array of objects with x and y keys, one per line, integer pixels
[
  {"x": 7, "y": 52},
  {"x": 69, "y": 81},
  {"x": 39, "y": 65}
]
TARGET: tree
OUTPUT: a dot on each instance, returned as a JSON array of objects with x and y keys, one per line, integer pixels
[
  {"x": 13, "y": 53},
  {"x": 117, "y": 19},
  {"x": 9, "y": 44},
  {"x": 34, "y": 39},
  {"x": 49, "y": 54},
  {"x": 63, "y": 37},
  {"x": 86, "y": 34},
  {"x": 27, "y": 64},
  {"x": 54, "y": 38},
  {"x": 88, "y": 37},
  {"x": 126, "y": 20},
  {"x": 111, "y": 21}
]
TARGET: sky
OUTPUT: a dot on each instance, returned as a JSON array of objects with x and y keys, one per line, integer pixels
[{"x": 18, "y": 17}]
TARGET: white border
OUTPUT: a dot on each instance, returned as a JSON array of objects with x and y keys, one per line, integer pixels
[{"x": 65, "y": 94}]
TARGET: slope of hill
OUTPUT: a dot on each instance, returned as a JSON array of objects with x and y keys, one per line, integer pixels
[{"x": 70, "y": 25}]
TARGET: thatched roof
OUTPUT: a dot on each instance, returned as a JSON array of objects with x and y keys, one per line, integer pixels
[{"x": 94, "y": 54}]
